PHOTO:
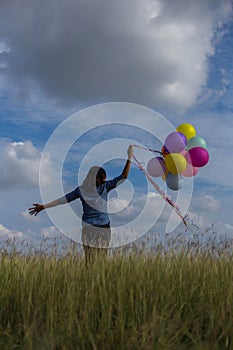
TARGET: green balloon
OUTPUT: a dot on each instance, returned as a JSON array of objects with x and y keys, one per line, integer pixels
[{"x": 196, "y": 141}]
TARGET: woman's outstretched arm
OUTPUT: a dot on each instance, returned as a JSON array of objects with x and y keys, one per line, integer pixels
[
  {"x": 69, "y": 197},
  {"x": 39, "y": 207},
  {"x": 126, "y": 169}
]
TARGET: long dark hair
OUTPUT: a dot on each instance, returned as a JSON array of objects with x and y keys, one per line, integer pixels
[{"x": 95, "y": 177}]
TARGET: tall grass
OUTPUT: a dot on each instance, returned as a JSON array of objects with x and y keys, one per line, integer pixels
[{"x": 168, "y": 299}]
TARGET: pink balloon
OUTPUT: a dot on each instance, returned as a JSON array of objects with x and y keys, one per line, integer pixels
[
  {"x": 183, "y": 152},
  {"x": 197, "y": 156},
  {"x": 187, "y": 157},
  {"x": 190, "y": 170},
  {"x": 156, "y": 166}
]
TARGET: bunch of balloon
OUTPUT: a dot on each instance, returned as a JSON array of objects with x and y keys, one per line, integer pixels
[{"x": 182, "y": 155}]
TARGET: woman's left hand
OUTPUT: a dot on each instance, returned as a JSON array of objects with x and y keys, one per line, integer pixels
[{"x": 130, "y": 152}]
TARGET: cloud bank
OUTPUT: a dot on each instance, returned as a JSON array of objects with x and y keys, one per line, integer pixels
[
  {"x": 151, "y": 52},
  {"x": 19, "y": 163},
  {"x": 6, "y": 233}
]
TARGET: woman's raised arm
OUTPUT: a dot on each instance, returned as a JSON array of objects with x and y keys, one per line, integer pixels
[{"x": 126, "y": 169}]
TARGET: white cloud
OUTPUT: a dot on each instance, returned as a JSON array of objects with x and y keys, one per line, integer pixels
[
  {"x": 137, "y": 205},
  {"x": 206, "y": 204},
  {"x": 146, "y": 51},
  {"x": 201, "y": 221},
  {"x": 30, "y": 218},
  {"x": 6, "y": 233},
  {"x": 118, "y": 204},
  {"x": 51, "y": 232},
  {"x": 201, "y": 215},
  {"x": 46, "y": 239},
  {"x": 207, "y": 228},
  {"x": 228, "y": 228},
  {"x": 19, "y": 163},
  {"x": 4, "y": 49}
]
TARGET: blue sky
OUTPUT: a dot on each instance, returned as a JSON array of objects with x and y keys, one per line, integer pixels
[{"x": 174, "y": 57}]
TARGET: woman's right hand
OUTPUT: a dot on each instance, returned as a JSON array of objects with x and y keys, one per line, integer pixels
[{"x": 36, "y": 209}]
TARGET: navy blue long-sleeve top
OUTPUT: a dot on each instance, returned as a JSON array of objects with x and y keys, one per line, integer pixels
[{"x": 94, "y": 203}]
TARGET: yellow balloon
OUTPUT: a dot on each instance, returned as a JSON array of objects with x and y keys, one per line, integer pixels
[
  {"x": 175, "y": 163},
  {"x": 187, "y": 129}
]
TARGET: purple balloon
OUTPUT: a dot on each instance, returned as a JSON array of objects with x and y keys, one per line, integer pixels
[
  {"x": 156, "y": 166},
  {"x": 175, "y": 142},
  {"x": 198, "y": 156},
  {"x": 184, "y": 138}
]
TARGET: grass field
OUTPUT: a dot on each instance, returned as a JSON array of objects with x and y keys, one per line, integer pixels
[{"x": 174, "y": 299}]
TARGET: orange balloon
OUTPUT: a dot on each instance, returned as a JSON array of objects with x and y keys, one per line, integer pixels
[
  {"x": 165, "y": 174},
  {"x": 164, "y": 152}
]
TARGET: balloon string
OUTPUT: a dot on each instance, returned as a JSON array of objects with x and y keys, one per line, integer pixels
[
  {"x": 166, "y": 198},
  {"x": 151, "y": 150}
]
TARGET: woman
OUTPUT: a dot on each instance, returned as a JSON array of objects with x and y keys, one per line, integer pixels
[{"x": 93, "y": 193}]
